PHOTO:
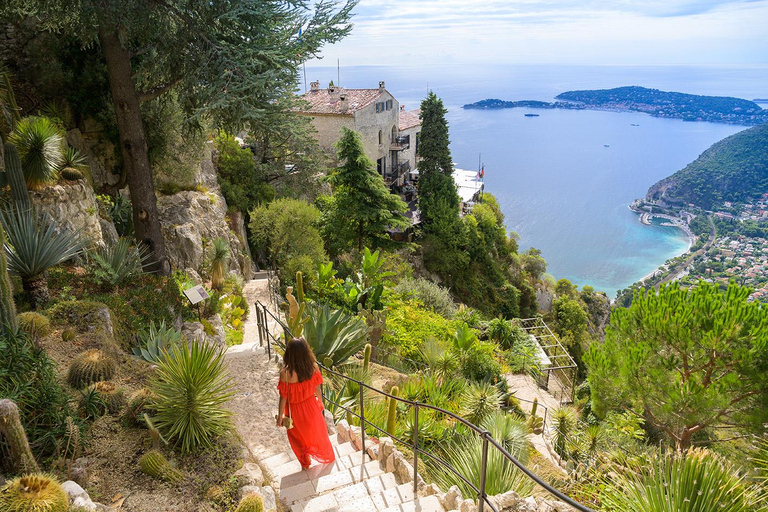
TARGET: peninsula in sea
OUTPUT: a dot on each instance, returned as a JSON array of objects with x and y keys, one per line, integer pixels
[{"x": 674, "y": 105}]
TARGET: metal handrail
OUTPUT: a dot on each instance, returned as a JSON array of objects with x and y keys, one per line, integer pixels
[{"x": 488, "y": 440}]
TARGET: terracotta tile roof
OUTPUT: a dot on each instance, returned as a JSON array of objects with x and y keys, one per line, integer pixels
[
  {"x": 323, "y": 102},
  {"x": 409, "y": 119}
]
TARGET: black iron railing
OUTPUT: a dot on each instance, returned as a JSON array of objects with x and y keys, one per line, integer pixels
[{"x": 268, "y": 339}]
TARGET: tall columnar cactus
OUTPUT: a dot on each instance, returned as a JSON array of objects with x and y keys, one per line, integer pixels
[
  {"x": 7, "y": 306},
  {"x": 15, "y": 175},
  {"x": 535, "y": 406},
  {"x": 251, "y": 503},
  {"x": 34, "y": 492},
  {"x": 367, "y": 356},
  {"x": 12, "y": 431},
  {"x": 299, "y": 287},
  {"x": 155, "y": 465},
  {"x": 392, "y": 412}
]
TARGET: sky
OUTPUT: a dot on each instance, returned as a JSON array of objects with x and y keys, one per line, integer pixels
[{"x": 584, "y": 32}]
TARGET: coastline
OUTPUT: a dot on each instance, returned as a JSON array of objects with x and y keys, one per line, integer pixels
[{"x": 645, "y": 218}]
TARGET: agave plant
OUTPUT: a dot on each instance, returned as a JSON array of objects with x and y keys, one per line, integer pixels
[
  {"x": 696, "y": 481},
  {"x": 35, "y": 243},
  {"x": 191, "y": 388},
  {"x": 334, "y": 334},
  {"x": 40, "y": 148},
  {"x": 157, "y": 341},
  {"x": 114, "y": 266},
  {"x": 479, "y": 401},
  {"x": 219, "y": 263}
]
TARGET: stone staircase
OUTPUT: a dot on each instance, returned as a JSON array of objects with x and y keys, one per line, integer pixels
[{"x": 356, "y": 481}]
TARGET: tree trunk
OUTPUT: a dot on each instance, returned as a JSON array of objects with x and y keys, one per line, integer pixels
[
  {"x": 11, "y": 429},
  {"x": 133, "y": 145},
  {"x": 36, "y": 288}
]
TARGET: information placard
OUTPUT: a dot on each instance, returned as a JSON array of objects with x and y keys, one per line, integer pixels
[{"x": 196, "y": 294}]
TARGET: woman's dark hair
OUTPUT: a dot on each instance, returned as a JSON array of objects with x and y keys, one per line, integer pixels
[{"x": 299, "y": 359}]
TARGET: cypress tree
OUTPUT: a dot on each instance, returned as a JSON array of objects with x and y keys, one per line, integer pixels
[{"x": 433, "y": 139}]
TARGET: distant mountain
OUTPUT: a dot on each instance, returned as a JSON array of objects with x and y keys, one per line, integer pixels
[
  {"x": 676, "y": 105},
  {"x": 733, "y": 169}
]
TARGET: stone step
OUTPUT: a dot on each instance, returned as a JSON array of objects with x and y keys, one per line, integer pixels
[
  {"x": 375, "y": 493},
  {"x": 302, "y": 485},
  {"x": 426, "y": 504}
]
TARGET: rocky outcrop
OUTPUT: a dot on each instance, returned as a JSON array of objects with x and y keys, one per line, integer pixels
[
  {"x": 100, "y": 154},
  {"x": 74, "y": 206},
  {"x": 192, "y": 219}
]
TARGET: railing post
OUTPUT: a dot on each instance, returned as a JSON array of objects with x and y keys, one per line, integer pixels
[
  {"x": 483, "y": 470},
  {"x": 260, "y": 323},
  {"x": 415, "y": 448},
  {"x": 362, "y": 422},
  {"x": 269, "y": 342}
]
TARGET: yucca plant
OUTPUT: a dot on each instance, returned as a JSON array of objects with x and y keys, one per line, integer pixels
[
  {"x": 479, "y": 401},
  {"x": 334, "y": 334},
  {"x": 191, "y": 387},
  {"x": 156, "y": 341},
  {"x": 116, "y": 265},
  {"x": 40, "y": 147},
  {"x": 564, "y": 421},
  {"x": 695, "y": 481},
  {"x": 219, "y": 263},
  {"x": 35, "y": 243}
]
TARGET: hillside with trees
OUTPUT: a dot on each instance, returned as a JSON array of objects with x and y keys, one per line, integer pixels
[{"x": 733, "y": 169}]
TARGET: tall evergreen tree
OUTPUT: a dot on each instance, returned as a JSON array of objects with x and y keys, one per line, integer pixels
[
  {"x": 362, "y": 207},
  {"x": 433, "y": 139},
  {"x": 224, "y": 61}
]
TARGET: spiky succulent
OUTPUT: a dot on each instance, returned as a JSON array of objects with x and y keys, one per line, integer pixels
[
  {"x": 251, "y": 503},
  {"x": 138, "y": 403},
  {"x": 154, "y": 464},
  {"x": 37, "y": 492},
  {"x": 112, "y": 396},
  {"x": 40, "y": 147},
  {"x": 89, "y": 367},
  {"x": 156, "y": 341}
]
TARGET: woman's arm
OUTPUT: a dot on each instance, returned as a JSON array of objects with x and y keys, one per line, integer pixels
[{"x": 281, "y": 402}]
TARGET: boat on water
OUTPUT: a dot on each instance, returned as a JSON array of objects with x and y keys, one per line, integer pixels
[
  {"x": 635, "y": 124},
  {"x": 606, "y": 145},
  {"x": 531, "y": 115}
]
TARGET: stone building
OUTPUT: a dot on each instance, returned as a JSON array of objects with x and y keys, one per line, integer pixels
[{"x": 376, "y": 115}]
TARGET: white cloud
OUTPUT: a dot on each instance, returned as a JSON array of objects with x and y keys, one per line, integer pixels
[{"x": 701, "y": 32}]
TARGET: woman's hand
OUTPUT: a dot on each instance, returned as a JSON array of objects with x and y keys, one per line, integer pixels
[{"x": 279, "y": 421}]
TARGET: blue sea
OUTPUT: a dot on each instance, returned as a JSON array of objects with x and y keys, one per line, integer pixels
[{"x": 564, "y": 180}]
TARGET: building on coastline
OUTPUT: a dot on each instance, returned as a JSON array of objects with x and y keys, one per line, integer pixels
[{"x": 376, "y": 115}]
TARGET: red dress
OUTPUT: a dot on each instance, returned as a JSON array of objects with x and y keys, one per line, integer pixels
[{"x": 309, "y": 436}]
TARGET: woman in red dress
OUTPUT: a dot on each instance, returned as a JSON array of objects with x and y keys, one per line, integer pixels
[{"x": 300, "y": 388}]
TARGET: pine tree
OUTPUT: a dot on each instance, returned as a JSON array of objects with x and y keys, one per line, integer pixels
[{"x": 363, "y": 209}]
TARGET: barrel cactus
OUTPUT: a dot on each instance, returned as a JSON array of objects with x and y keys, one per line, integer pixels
[
  {"x": 36, "y": 492},
  {"x": 138, "y": 403},
  {"x": 112, "y": 396},
  {"x": 71, "y": 174},
  {"x": 68, "y": 334},
  {"x": 89, "y": 367},
  {"x": 155, "y": 465},
  {"x": 251, "y": 503},
  {"x": 34, "y": 324}
]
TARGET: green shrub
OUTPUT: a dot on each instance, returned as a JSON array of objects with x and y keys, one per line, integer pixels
[
  {"x": 191, "y": 388},
  {"x": 431, "y": 295},
  {"x": 33, "y": 493},
  {"x": 479, "y": 365},
  {"x": 29, "y": 378},
  {"x": 34, "y": 324},
  {"x": 116, "y": 265},
  {"x": 156, "y": 341},
  {"x": 409, "y": 326}
]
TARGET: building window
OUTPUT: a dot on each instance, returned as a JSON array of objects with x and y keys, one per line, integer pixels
[
  {"x": 379, "y": 137},
  {"x": 394, "y": 133},
  {"x": 389, "y": 104}
]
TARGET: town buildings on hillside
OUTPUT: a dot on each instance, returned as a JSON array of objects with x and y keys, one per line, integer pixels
[{"x": 389, "y": 132}]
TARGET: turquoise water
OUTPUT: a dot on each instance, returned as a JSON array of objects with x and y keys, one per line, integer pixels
[{"x": 559, "y": 187}]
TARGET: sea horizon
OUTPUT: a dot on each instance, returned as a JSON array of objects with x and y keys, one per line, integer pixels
[{"x": 564, "y": 180}]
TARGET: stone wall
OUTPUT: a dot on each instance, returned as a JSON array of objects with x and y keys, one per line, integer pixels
[{"x": 73, "y": 205}]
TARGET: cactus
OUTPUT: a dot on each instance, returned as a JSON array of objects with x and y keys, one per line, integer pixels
[
  {"x": 138, "y": 404},
  {"x": 7, "y": 306},
  {"x": 15, "y": 175},
  {"x": 111, "y": 395},
  {"x": 12, "y": 431},
  {"x": 68, "y": 334},
  {"x": 89, "y": 367},
  {"x": 71, "y": 174},
  {"x": 535, "y": 406},
  {"x": 328, "y": 362},
  {"x": 299, "y": 287},
  {"x": 154, "y": 433},
  {"x": 251, "y": 503},
  {"x": 155, "y": 465},
  {"x": 35, "y": 492},
  {"x": 392, "y": 412},
  {"x": 36, "y": 325},
  {"x": 367, "y": 356}
]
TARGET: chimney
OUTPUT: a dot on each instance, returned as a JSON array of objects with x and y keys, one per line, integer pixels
[
  {"x": 314, "y": 86},
  {"x": 402, "y": 108},
  {"x": 343, "y": 102},
  {"x": 333, "y": 93},
  {"x": 381, "y": 84}
]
